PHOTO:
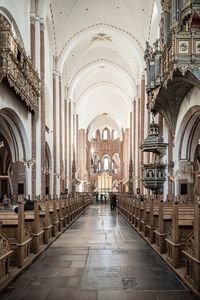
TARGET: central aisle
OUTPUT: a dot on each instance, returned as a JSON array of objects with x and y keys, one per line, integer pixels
[{"x": 100, "y": 257}]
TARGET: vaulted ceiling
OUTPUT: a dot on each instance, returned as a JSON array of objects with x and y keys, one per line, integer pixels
[{"x": 100, "y": 47}]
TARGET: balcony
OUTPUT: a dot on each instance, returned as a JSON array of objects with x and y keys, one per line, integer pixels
[
  {"x": 173, "y": 64},
  {"x": 16, "y": 69}
]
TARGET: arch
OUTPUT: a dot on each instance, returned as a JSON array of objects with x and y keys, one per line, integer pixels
[
  {"x": 91, "y": 64},
  {"x": 108, "y": 84},
  {"x": 70, "y": 43},
  {"x": 189, "y": 134},
  {"x": 15, "y": 134}
]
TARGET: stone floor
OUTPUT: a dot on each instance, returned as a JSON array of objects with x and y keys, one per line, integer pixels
[{"x": 100, "y": 257}]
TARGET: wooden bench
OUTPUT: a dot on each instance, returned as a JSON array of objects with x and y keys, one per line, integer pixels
[
  {"x": 5, "y": 254},
  {"x": 181, "y": 227},
  {"x": 14, "y": 227},
  {"x": 163, "y": 224}
]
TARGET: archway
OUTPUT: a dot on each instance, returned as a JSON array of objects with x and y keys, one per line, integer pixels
[
  {"x": 188, "y": 153},
  {"x": 13, "y": 154}
]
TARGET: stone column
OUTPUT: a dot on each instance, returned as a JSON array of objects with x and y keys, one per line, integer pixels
[
  {"x": 70, "y": 143},
  {"x": 60, "y": 137},
  {"x": 142, "y": 103},
  {"x": 134, "y": 143},
  {"x": 160, "y": 123},
  {"x": 33, "y": 117},
  {"x": 170, "y": 168},
  {"x": 54, "y": 134},
  {"x": 37, "y": 54},
  {"x": 131, "y": 159},
  {"x": 42, "y": 106},
  {"x": 139, "y": 139},
  {"x": 66, "y": 142}
]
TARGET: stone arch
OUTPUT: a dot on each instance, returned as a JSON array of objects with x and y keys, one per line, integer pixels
[
  {"x": 188, "y": 135},
  {"x": 16, "y": 149}
]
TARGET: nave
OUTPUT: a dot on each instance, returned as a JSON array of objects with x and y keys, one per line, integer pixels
[{"x": 100, "y": 257}]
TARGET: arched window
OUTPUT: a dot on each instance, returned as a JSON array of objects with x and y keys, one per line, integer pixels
[
  {"x": 106, "y": 163},
  {"x": 105, "y": 134}
]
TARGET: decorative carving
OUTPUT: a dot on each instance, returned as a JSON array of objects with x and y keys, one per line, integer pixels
[
  {"x": 4, "y": 245},
  {"x": 189, "y": 245},
  {"x": 169, "y": 234},
  {"x": 16, "y": 68},
  {"x": 26, "y": 233},
  {"x": 173, "y": 68}
]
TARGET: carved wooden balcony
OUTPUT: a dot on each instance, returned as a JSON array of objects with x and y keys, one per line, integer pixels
[
  {"x": 173, "y": 66},
  {"x": 15, "y": 67}
]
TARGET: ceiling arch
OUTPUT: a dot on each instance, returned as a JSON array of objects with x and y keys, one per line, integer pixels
[
  {"x": 120, "y": 90},
  {"x": 99, "y": 48},
  {"x": 78, "y": 37},
  {"x": 87, "y": 67}
]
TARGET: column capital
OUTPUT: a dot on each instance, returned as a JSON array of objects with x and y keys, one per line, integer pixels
[{"x": 32, "y": 19}]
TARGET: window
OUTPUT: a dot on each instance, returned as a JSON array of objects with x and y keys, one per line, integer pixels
[
  {"x": 105, "y": 134},
  {"x": 106, "y": 163}
]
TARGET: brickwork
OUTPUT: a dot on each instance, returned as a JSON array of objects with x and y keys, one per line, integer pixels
[
  {"x": 33, "y": 120},
  {"x": 102, "y": 147},
  {"x": 160, "y": 123},
  {"x": 33, "y": 130},
  {"x": 54, "y": 134},
  {"x": 18, "y": 176},
  {"x": 42, "y": 106},
  {"x": 66, "y": 144},
  {"x": 134, "y": 138},
  {"x": 139, "y": 141},
  {"x": 70, "y": 141},
  {"x": 170, "y": 159},
  {"x": 142, "y": 105},
  {"x": 32, "y": 29},
  {"x": 60, "y": 137}
]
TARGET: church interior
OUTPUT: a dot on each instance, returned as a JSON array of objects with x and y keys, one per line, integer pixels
[{"x": 100, "y": 105}]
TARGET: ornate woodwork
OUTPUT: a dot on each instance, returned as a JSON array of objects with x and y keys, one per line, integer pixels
[
  {"x": 173, "y": 64},
  {"x": 16, "y": 68},
  {"x": 154, "y": 173}
]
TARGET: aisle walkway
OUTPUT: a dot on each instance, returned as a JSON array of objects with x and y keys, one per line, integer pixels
[{"x": 99, "y": 258}]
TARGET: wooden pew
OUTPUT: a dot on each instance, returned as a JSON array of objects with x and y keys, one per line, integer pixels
[
  {"x": 191, "y": 251},
  {"x": 5, "y": 254},
  {"x": 163, "y": 224},
  {"x": 14, "y": 227},
  {"x": 182, "y": 226}
]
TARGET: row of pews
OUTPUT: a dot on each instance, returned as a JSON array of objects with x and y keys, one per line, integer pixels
[
  {"x": 172, "y": 228},
  {"x": 24, "y": 235}
]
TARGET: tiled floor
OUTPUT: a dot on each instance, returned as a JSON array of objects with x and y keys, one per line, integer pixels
[{"x": 99, "y": 257}]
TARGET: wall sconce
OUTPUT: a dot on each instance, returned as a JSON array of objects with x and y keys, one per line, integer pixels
[
  {"x": 1, "y": 144},
  {"x": 29, "y": 163}
]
